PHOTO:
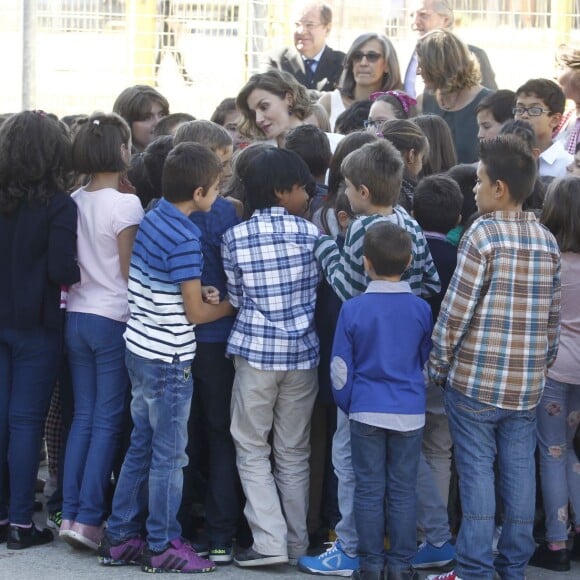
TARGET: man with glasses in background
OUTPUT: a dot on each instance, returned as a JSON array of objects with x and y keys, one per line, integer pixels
[
  {"x": 428, "y": 15},
  {"x": 314, "y": 64}
]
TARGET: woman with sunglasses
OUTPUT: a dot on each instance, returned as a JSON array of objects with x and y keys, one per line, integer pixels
[
  {"x": 453, "y": 88},
  {"x": 371, "y": 65}
]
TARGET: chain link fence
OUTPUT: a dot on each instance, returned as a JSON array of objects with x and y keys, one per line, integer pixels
[{"x": 75, "y": 56}]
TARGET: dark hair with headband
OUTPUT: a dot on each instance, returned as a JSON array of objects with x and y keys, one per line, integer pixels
[{"x": 404, "y": 106}]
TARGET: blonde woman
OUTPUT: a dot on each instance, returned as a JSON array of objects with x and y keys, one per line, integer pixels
[{"x": 453, "y": 88}]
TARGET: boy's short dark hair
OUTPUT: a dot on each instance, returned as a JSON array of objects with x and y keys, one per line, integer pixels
[
  {"x": 353, "y": 118},
  {"x": 379, "y": 166},
  {"x": 465, "y": 175},
  {"x": 274, "y": 170},
  {"x": 437, "y": 203},
  {"x": 167, "y": 124},
  {"x": 187, "y": 167},
  {"x": 521, "y": 129},
  {"x": 154, "y": 158},
  {"x": 507, "y": 158},
  {"x": 388, "y": 247},
  {"x": 205, "y": 132},
  {"x": 312, "y": 145},
  {"x": 97, "y": 144},
  {"x": 546, "y": 90},
  {"x": 499, "y": 104}
]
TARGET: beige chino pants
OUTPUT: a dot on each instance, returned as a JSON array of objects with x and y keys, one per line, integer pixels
[{"x": 274, "y": 479}]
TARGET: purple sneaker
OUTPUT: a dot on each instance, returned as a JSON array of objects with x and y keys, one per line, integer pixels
[
  {"x": 122, "y": 554},
  {"x": 178, "y": 557}
]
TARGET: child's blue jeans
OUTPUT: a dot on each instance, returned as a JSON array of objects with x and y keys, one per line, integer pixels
[
  {"x": 385, "y": 464},
  {"x": 152, "y": 476},
  {"x": 558, "y": 416}
]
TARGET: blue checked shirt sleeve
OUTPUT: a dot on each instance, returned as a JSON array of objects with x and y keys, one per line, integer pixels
[
  {"x": 234, "y": 284},
  {"x": 457, "y": 310}
]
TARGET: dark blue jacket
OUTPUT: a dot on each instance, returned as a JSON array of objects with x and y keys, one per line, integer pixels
[
  {"x": 37, "y": 256},
  {"x": 382, "y": 341}
]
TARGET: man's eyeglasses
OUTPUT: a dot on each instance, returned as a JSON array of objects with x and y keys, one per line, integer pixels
[
  {"x": 371, "y": 56},
  {"x": 531, "y": 111},
  {"x": 307, "y": 25}
]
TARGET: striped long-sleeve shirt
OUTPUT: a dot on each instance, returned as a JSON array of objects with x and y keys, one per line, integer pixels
[
  {"x": 345, "y": 271},
  {"x": 167, "y": 252},
  {"x": 499, "y": 322}
]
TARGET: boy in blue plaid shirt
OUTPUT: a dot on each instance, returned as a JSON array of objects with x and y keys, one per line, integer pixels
[{"x": 272, "y": 277}]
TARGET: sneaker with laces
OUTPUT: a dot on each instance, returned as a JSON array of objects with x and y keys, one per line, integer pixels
[
  {"x": 221, "y": 554},
  {"x": 448, "y": 576},
  {"x": 123, "y": 553},
  {"x": 54, "y": 520},
  {"x": 429, "y": 556},
  {"x": 333, "y": 562},
  {"x": 178, "y": 557},
  {"x": 248, "y": 557}
]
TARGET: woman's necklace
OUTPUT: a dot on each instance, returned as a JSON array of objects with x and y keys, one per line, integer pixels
[{"x": 448, "y": 105}]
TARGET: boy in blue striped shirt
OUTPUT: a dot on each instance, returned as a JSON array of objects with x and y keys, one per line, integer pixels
[{"x": 166, "y": 301}]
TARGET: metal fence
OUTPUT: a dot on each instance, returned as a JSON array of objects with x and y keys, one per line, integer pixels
[{"x": 70, "y": 56}]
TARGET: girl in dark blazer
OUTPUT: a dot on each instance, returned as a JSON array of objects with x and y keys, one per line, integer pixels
[{"x": 37, "y": 261}]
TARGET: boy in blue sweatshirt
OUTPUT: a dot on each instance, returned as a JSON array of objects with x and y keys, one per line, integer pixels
[{"x": 384, "y": 397}]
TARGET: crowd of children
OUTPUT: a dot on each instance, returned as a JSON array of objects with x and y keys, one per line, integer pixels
[{"x": 262, "y": 333}]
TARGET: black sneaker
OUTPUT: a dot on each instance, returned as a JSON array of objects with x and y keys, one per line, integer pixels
[
  {"x": 575, "y": 551},
  {"x": 555, "y": 560},
  {"x": 54, "y": 520},
  {"x": 22, "y": 538},
  {"x": 221, "y": 554},
  {"x": 4, "y": 532},
  {"x": 249, "y": 557}
]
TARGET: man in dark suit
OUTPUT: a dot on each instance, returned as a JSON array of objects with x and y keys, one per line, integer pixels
[
  {"x": 314, "y": 64},
  {"x": 429, "y": 15}
]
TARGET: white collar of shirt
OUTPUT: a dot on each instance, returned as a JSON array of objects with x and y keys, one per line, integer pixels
[
  {"x": 554, "y": 153},
  {"x": 386, "y": 287},
  {"x": 316, "y": 58}
]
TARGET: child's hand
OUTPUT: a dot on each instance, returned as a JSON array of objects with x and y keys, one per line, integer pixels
[
  {"x": 210, "y": 294},
  {"x": 125, "y": 186}
]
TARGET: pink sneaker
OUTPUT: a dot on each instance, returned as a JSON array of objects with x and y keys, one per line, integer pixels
[
  {"x": 65, "y": 528},
  {"x": 448, "y": 576},
  {"x": 83, "y": 536}
]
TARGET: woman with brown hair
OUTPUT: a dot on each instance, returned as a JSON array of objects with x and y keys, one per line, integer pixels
[
  {"x": 271, "y": 104},
  {"x": 371, "y": 65},
  {"x": 453, "y": 88}
]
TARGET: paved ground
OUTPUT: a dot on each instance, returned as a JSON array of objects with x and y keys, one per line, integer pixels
[{"x": 58, "y": 561}]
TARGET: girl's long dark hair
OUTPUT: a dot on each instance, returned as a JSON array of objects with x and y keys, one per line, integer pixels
[{"x": 35, "y": 159}]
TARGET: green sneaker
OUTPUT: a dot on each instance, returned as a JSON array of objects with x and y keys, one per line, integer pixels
[
  {"x": 221, "y": 554},
  {"x": 54, "y": 520}
]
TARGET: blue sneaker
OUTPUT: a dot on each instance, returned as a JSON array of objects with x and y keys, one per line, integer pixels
[
  {"x": 428, "y": 556},
  {"x": 333, "y": 562}
]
